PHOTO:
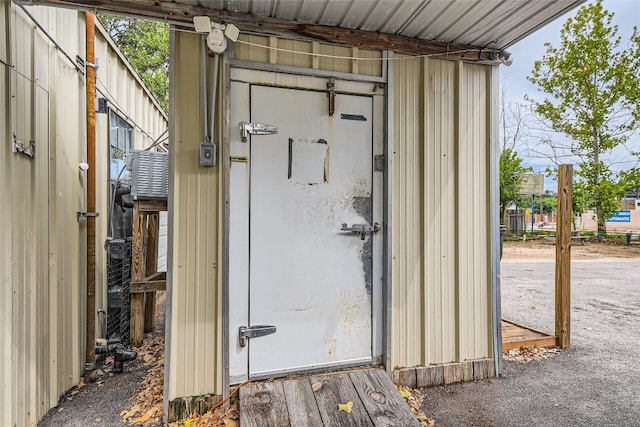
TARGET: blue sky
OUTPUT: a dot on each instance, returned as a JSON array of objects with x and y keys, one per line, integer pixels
[{"x": 526, "y": 52}]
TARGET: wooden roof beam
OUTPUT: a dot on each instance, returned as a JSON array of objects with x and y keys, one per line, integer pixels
[{"x": 179, "y": 13}]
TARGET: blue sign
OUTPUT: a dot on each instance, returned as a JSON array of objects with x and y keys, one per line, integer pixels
[{"x": 621, "y": 216}]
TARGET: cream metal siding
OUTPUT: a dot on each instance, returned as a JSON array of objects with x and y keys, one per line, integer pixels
[
  {"x": 42, "y": 254},
  {"x": 194, "y": 338},
  {"x": 441, "y": 205},
  {"x": 311, "y": 55}
]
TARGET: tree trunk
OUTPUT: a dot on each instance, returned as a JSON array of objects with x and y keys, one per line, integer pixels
[{"x": 602, "y": 227}]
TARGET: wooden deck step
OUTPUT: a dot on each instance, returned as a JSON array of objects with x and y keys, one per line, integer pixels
[
  {"x": 314, "y": 401},
  {"x": 515, "y": 335}
]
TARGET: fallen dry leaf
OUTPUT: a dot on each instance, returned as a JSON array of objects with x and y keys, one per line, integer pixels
[
  {"x": 414, "y": 400},
  {"x": 527, "y": 354},
  {"x": 145, "y": 416},
  {"x": 346, "y": 407},
  {"x": 404, "y": 391},
  {"x": 131, "y": 412}
]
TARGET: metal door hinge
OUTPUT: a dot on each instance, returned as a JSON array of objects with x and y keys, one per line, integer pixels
[
  {"x": 256, "y": 129},
  {"x": 245, "y": 332},
  {"x": 379, "y": 162}
]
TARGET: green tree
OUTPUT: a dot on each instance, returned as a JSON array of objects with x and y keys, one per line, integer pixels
[
  {"x": 146, "y": 46},
  {"x": 511, "y": 170},
  {"x": 512, "y": 130},
  {"x": 594, "y": 92},
  {"x": 549, "y": 203}
]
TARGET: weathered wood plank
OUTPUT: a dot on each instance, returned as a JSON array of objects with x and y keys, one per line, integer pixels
[
  {"x": 336, "y": 389},
  {"x": 381, "y": 399},
  {"x": 301, "y": 403},
  {"x": 138, "y": 272},
  {"x": 148, "y": 286},
  {"x": 428, "y": 376},
  {"x": 151, "y": 267},
  {"x": 480, "y": 370},
  {"x": 405, "y": 377},
  {"x": 183, "y": 407},
  {"x": 510, "y": 323},
  {"x": 263, "y": 405},
  {"x": 563, "y": 255},
  {"x": 152, "y": 205},
  {"x": 453, "y": 373},
  {"x": 538, "y": 342},
  {"x": 467, "y": 370}
]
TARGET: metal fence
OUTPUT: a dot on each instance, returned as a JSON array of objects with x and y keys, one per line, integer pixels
[{"x": 119, "y": 283}]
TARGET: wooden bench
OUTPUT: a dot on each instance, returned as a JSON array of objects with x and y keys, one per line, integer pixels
[
  {"x": 581, "y": 239},
  {"x": 574, "y": 236}
]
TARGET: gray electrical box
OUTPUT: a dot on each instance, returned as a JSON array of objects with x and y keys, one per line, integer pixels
[{"x": 207, "y": 154}]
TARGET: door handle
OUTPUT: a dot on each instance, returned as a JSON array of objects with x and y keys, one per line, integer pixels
[
  {"x": 361, "y": 229},
  {"x": 256, "y": 129}
]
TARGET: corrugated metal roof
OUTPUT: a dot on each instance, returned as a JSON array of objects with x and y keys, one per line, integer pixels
[
  {"x": 495, "y": 24},
  {"x": 484, "y": 24}
]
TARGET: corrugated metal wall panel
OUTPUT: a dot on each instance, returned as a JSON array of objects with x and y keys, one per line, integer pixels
[
  {"x": 473, "y": 192},
  {"x": 407, "y": 264},
  {"x": 195, "y": 336},
  {"x": 330, "y": 57},
  {"x": 439, "y": 210},
  {"x": 42, "y": 254},
  {"x": 7, "y": 402},
  {"x": 441, "y": 262}
]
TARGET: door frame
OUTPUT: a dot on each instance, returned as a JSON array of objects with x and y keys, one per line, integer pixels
[{"x": 381, "y": 189}]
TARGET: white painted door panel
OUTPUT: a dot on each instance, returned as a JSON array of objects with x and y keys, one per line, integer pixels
[{"x": 306, "y": 277}]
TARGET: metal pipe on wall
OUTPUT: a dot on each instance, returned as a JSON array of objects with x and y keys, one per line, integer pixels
[
  {"x": 90, "y": 354},
  {"x": 214, "y": 93},
  {"x": 205, "y": 136}
]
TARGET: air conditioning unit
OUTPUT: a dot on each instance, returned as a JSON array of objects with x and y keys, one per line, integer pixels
[{"x": 150, "y": 174}]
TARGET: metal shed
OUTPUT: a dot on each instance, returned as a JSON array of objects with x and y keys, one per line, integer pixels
[
  {"x": 387, "y": 123},
  {"x": 43, "y": 242}
]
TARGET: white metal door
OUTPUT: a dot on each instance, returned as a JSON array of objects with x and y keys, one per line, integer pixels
[{"x": 306, "y": 276}]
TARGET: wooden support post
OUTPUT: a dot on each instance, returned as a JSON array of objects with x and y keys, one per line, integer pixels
[
  {"x": 139, "y": 269},
  {"x": 153, "y": 231},
  {"x": 563, "y": 255}
]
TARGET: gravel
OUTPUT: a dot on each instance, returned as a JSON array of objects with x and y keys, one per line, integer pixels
[
  {"x": 595, "y": 382},
  {"x": 100, "y": 403}
]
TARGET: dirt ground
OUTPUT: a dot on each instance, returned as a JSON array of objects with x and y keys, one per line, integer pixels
[
  {"x": 543, "y": 249},
  {"x": 101, "y": 403}
]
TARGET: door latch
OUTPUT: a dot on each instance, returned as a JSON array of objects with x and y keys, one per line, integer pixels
[
  {"x": 245, "y": 332},
  {"x": 256, "y": 129},
  {"x": 362, "y": 229}
]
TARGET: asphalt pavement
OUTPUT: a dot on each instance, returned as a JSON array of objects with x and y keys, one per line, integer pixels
[{"x": 594, "y": 383}]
